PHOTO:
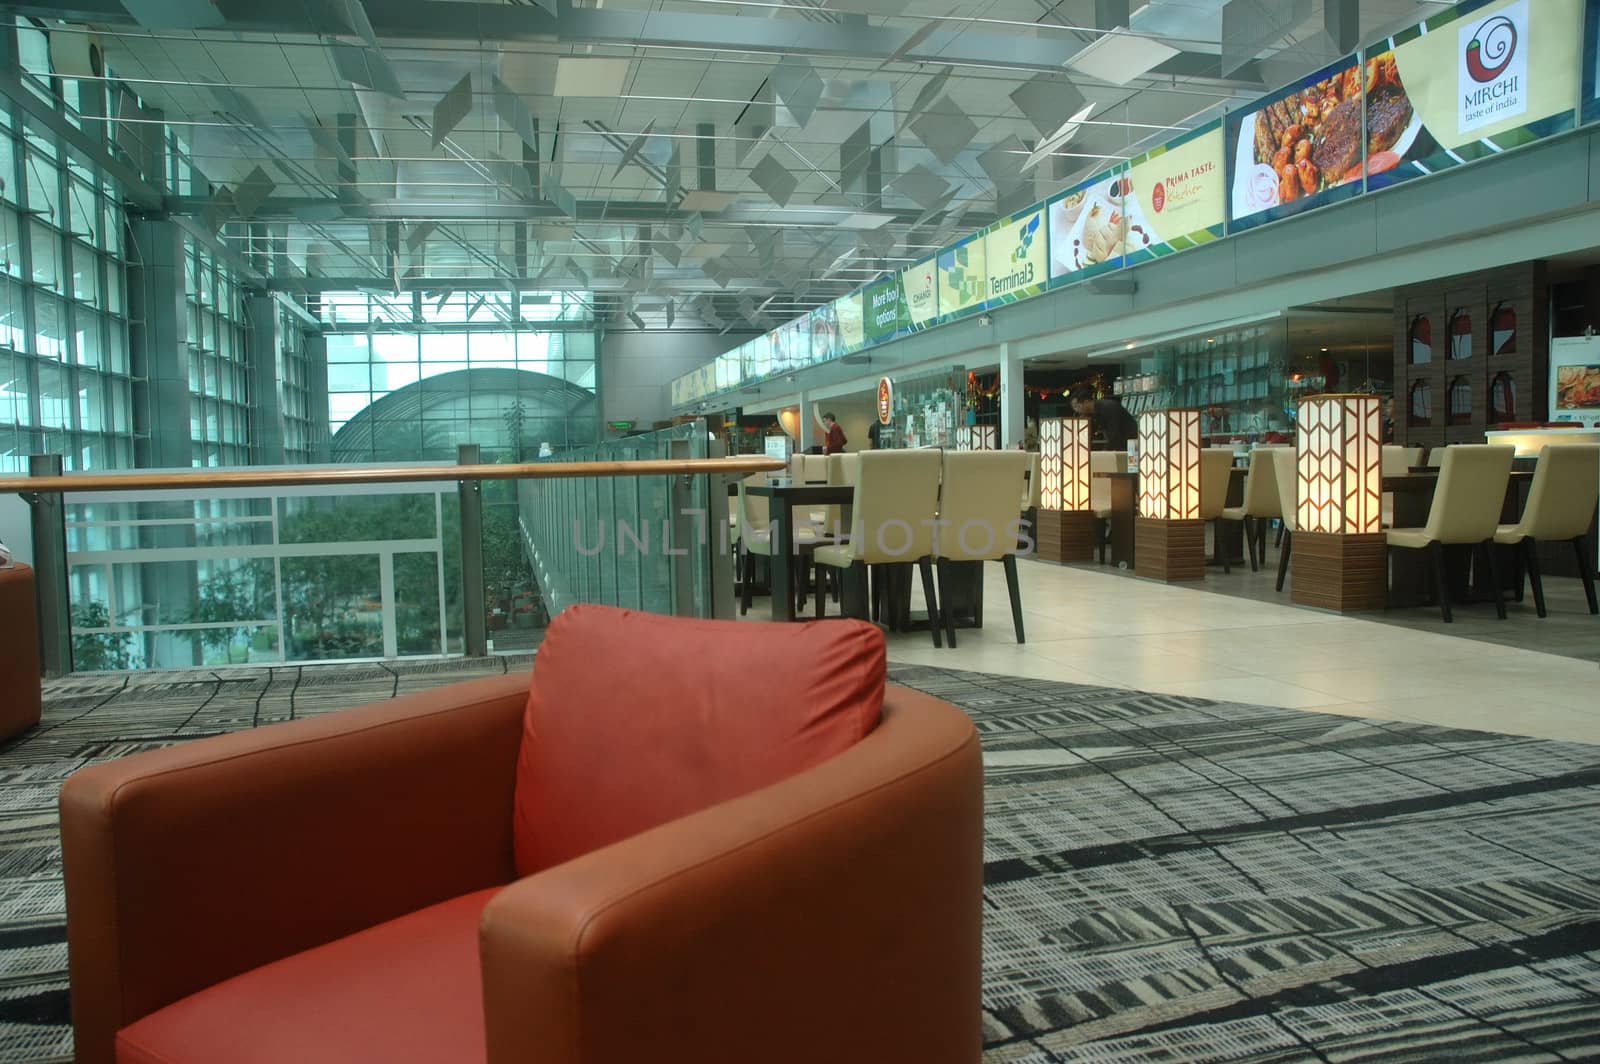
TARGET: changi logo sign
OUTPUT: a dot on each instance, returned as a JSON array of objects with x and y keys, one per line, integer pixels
[
  {"x": 885, "y": 400},
  {"x": 1494, "y": 68}
]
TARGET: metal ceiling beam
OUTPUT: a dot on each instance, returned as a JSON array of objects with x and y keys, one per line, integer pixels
[
  {"x": 447, "y": 20},
  {"x": 283, "y": 208},
  {"x": 139, "y": 192}
]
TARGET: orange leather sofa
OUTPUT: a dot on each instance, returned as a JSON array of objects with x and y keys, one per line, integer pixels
[
  {"x": 21, "y": 692},
  {"x": 690, "y": 841}
]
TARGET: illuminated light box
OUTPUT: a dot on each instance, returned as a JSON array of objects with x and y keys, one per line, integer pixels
[
  {"x": 1168, "y": 536},
  {"x": 1169, "y": 465},
  {"x": 1340, "y": 553},
  {"x": 1066, "y": 530}
]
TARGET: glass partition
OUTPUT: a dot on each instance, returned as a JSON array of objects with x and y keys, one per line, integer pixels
[{"x": 647, "y": 543}]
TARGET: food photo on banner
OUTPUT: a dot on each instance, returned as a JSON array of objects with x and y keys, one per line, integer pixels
[
  {"x": 758, "y": 358},
  {"x": 1469, "y": 83},
  {"x": 1176, "y": 195},
  {"x": 1297, "y": 149},
  {"x": 824, "y": 326},
  {"x": 848, "y": 322},
  {"x": 797, "y": 334},
  {"x": 919, "y": 292},
  {"x": 1591, "y": 62},
  {"x": 1086, "y": 228},
  {"x": 963, "y": 278},
  {"x": 1014, "y": 249}
]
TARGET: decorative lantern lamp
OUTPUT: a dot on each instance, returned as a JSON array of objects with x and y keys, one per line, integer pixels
[
  {"x": 1169, "y": 537},
  {"x": 1066, "y": 528},
  {"x": 1339, "y": 545},
  {"x": 978, "y": 438},
  {"x": 1169, "y": 465},
  {"x": 1339, "y": 465}
]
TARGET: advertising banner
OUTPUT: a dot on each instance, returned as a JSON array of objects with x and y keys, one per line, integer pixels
[
  {"x": 729, "y": 372},
  {"x": 824, "y": 327},
  {"x": 1298, "y": 149},
  {"x": 1591, "y": 62},
  {"x": 1575, "y": 379},
  {"x": 1469, "y": 83},
  {"x": 757, "y": 358},
  {"x": 963, "y": 278},
  {"x": 884, "y": 310},
  {"x": 1019, "y": 264},
  {"x": 1086, "y": 229},
  {"x": 920, "y": 293},
  {"x": 797, "y": 341},
  {"x": 1176, "y": 195},
  {"x": 849, "y": 322}
]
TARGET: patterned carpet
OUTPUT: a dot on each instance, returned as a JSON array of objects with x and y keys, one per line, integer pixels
[{"x": 1168, "y": 878}]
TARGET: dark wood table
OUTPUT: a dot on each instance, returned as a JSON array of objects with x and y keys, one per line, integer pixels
[
  {"x": 1124, "y": 507},
  {"x": 784, "y": 496},
  {"x": 1124, "y": 498}
]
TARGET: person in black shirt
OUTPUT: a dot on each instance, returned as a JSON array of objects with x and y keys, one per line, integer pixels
[{"x": 1110, "y": 426}]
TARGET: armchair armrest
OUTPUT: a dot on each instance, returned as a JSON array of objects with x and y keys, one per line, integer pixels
[
  {"x": 189, "y": 865},
  {"x": 834, "y": 915}
]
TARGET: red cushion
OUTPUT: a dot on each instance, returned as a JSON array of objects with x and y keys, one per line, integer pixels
[
  {"x": 409, "y": 991},
  {"x": 635, "y": 719}
]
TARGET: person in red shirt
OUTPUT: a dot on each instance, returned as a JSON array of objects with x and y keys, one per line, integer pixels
[{"x": 834, "y": 441}]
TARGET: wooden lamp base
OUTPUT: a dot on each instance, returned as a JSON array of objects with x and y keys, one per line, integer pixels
[
  {"x": 1064, "y": 536},
  {"x": 1342, "y": 573},
  {"x": 1172, "y": 550}
]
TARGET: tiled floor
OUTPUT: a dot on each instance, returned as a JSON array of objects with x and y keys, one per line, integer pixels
[{"x": 1086, "y": 625}]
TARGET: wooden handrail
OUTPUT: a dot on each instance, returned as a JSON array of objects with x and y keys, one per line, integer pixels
[{"x": 200, "y": 479}]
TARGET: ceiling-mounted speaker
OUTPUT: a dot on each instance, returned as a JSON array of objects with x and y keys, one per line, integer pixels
[{"x": 75, "y": 53}]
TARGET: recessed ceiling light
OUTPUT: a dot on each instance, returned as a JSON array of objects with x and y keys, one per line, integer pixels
[
  {"x": 1119, "y": 56},
  {"x": 866, "y": 220},
  {"x": 580, "y": 76},
  {"x": 1129, "y": 346}
]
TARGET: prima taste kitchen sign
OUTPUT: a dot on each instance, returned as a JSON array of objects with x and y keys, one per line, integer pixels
[{"x": 1179, "y": 192}]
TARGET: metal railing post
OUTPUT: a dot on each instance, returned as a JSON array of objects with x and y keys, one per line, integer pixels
[
  {"x": 474, "y": 615},
  {"x": 49, "y": 525},
  {"x": 685, "y": 534}
]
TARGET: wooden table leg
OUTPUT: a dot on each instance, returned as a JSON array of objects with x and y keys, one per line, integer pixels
[{"x": 1122, "y": 522}]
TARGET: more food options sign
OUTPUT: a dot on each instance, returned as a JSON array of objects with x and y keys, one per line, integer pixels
[{"x": 883, "y": 310}]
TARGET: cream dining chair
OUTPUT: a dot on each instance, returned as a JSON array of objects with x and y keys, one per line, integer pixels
[
  {"x": 1561, "y": 506},
  {"x": 1283, "y": 473},
  {"x": 755, "y": 540},
  {"x": 978, "y": 521},
  {"x": 1465, "y": 511},
  {"x": 1216, "y": 464},
  {"x": 896, "y": 497},
  {"x": 1261, "y": 504},
  {"x": 1397, "y": 462}
]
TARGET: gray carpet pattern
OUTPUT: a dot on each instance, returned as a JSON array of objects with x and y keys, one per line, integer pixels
[{"x": 1167, "y": 878}]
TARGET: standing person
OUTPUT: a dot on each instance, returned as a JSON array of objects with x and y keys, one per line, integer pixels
[
  {"x": 1110, "y": 426},
  {"x": 834, "y": 441},
  {"x": 1388, "y": 420}
]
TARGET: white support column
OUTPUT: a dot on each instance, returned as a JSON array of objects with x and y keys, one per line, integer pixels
[
  {"x": 1011, "y": 400},
  {"x": 808, "y": 426}
]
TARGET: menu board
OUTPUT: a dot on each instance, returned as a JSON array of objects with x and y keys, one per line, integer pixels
[
  {"x": 849, "y": 322},
  {"x": 1014, "y": 249},
  {"x": 963, "y": 278},
  {"x": 919, "y": 291},
  {"x": 1575, "y": 379},
  {"x": 1478, "y": 79},
  {"x": 1299, "y": 148},
  {"x": 1176, "y": 195},
  {"x": 1086, "y": 229}
]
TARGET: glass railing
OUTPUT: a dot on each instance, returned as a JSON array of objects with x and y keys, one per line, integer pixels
[
  {"x": 647, "y": 542},
  {"x": 208, "y": 568},
  {"x": 162, "y": 579}
]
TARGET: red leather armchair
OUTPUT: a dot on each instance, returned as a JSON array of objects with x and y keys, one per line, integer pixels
[{"x": 713, "y": 873}]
